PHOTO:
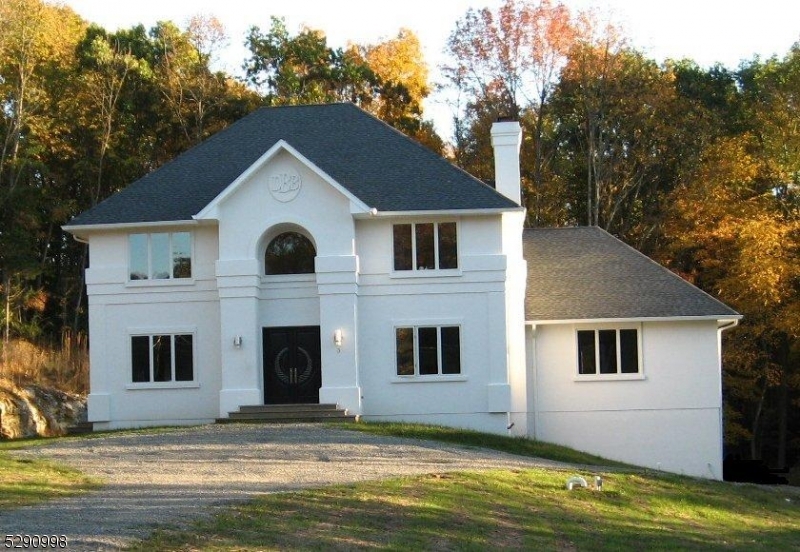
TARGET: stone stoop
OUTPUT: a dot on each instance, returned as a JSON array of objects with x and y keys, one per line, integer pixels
[{"x": 288, "y": 413}]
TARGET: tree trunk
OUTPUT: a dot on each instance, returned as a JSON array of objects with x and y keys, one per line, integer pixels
[
  {"x": 783, "y": 404},
  {"x": 755, "y": 453}
]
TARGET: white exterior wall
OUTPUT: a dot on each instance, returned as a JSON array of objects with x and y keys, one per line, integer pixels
[
  {"x": 669, "y": 420},
  {"x": 118, "y": 309},
  {"x": 474, "y": 297}
]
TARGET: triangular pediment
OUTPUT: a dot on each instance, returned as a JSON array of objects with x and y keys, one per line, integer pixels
[{"x": 281, "y": 186}]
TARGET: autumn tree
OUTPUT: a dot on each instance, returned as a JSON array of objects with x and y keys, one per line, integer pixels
[
  {"x": 200, "y": 100},
  {"x": 304, "y": 69},
  {"x": 511, "y": 59},
  {"x": 402, "y": 76},
  {"x": 36, "y": 54},
  {"x": 618, "y": 112}
]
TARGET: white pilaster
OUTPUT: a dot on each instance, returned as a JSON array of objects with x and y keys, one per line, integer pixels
[
  {"x": 337, "y": 280},
  {"x": 237, "y": 282}
]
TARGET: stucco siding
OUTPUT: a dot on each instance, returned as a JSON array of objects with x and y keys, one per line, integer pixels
[
  {"x": 119, "y": 309},
  {"x": 670, "y": 419}
]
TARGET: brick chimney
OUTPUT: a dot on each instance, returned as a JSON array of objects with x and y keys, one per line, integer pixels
[{"x": 506, "y": 141}]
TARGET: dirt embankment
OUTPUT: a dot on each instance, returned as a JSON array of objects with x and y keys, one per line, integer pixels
[{"x": 30, "y": 410}]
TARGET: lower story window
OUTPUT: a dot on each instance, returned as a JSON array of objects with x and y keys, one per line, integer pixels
[
  {"x": 428, "y": 350},
  {"x": 612, "y": 351},
  {"x": 162, "y": 358}
]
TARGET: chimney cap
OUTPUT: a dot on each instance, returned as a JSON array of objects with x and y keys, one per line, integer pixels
[{"x": 505, "y": 119}]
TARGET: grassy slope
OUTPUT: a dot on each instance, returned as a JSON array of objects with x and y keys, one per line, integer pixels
[
  {"x": 513, "y": 445},
  {"x": 511, "y": 510}
]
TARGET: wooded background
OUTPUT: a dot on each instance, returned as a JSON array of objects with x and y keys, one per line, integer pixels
[{"x": 697, "y": 167}]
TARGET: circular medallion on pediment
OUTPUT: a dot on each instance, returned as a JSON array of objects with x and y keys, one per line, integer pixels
[{"x": 284, "y": 184}]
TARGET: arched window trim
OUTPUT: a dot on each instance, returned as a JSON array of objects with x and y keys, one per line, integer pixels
[{"x": 278, "y": 263}]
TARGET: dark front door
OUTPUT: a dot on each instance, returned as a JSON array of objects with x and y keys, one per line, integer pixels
[{"x": 292, "y": 365}]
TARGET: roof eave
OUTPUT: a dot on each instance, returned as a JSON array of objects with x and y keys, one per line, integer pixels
[
  {"x": 82, "y": 229},
  {"x": 374, "y": 213},
  {"x": 628, "y": 320}
]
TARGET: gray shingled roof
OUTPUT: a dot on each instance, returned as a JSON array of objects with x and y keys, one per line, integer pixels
[
  {"x": 377, "y": 164},
  {"x": 586, "y": 273}
]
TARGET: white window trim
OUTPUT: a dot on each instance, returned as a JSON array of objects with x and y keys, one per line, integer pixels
[
  {"x": 438, "y": 323},
  {"x": 434, "y": 272},
  {"x": 155, "y": 282},
  {"x": 618, "y": 376},
  {"x": 171, "y": 331}
]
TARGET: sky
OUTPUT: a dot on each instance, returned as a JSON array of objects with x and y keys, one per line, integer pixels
[{"x": 707, "y": 31}]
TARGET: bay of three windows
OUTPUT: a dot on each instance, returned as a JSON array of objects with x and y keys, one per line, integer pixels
[
  {"x": 608, "y": 351},
  {"x": 425, "y": 246},
  {"x": 428, "y": 350},
  {"x": 162, "y": 358},
  {"x": 160, "y": 256}
]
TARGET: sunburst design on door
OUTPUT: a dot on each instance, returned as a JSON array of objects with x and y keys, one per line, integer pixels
[{"x": 293, "y": 375}]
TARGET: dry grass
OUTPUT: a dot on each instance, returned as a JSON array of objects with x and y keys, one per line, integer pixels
[{"x": 65, "y": 367}]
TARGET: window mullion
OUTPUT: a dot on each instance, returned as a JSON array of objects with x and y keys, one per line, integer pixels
[
  {"x": 152, "y": 359},
  {"x": 149, "y": 258},
  {"x": 439, "y": 349},
  {"x": 619, "y": 350},
  {"x": 436, "y": 245},
  {"x": 415, "y": 340},
  {"x": 596, "y": 352},
  {"x": 171, "y": 256},
  {"x": 172, "y": 356},
  {"x": 413, "y": 246}
]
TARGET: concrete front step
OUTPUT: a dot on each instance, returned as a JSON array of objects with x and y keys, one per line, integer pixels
[
  {"x": 288, "y": 413},
  {"x": 288, "y": 407}
]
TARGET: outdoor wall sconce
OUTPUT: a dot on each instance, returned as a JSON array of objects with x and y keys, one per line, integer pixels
[
  {"x": 337, "y": 339},
  {"x": 237, "y": 341}
]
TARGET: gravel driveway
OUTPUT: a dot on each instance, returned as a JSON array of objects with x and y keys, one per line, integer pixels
[{"x": 175, "y": 477}]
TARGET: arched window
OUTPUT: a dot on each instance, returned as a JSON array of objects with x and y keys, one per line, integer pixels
[{"x": 290, "y": 253}]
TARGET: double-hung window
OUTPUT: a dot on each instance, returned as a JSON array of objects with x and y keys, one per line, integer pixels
[
  {"x": 162, "y": 358},
  {"x": 608, "y": 351},
  {"x": 425, "y": 246},
  {"x": 160, "y": 256},
  {"x": 428, "y": 350}
]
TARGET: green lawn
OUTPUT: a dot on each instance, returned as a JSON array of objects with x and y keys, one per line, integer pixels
[
  {"x": 506, "y": 509},
  {"x": 26, "y": 480}
]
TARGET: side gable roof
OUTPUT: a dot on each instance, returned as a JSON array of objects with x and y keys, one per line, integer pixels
[
  {"x": 380, "y": 166},
  {"x": 586, "y": 273}
]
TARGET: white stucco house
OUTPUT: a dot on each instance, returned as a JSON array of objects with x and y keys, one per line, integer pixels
[{"x": 316, "y": 255}]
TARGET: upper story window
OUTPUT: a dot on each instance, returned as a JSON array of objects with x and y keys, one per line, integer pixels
[
  {"x": 608, "y": 351},
  {"x": 160, "y": 256},
  {"x": 290, "y": 253},
  {"x": 425, "y": 246}
]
